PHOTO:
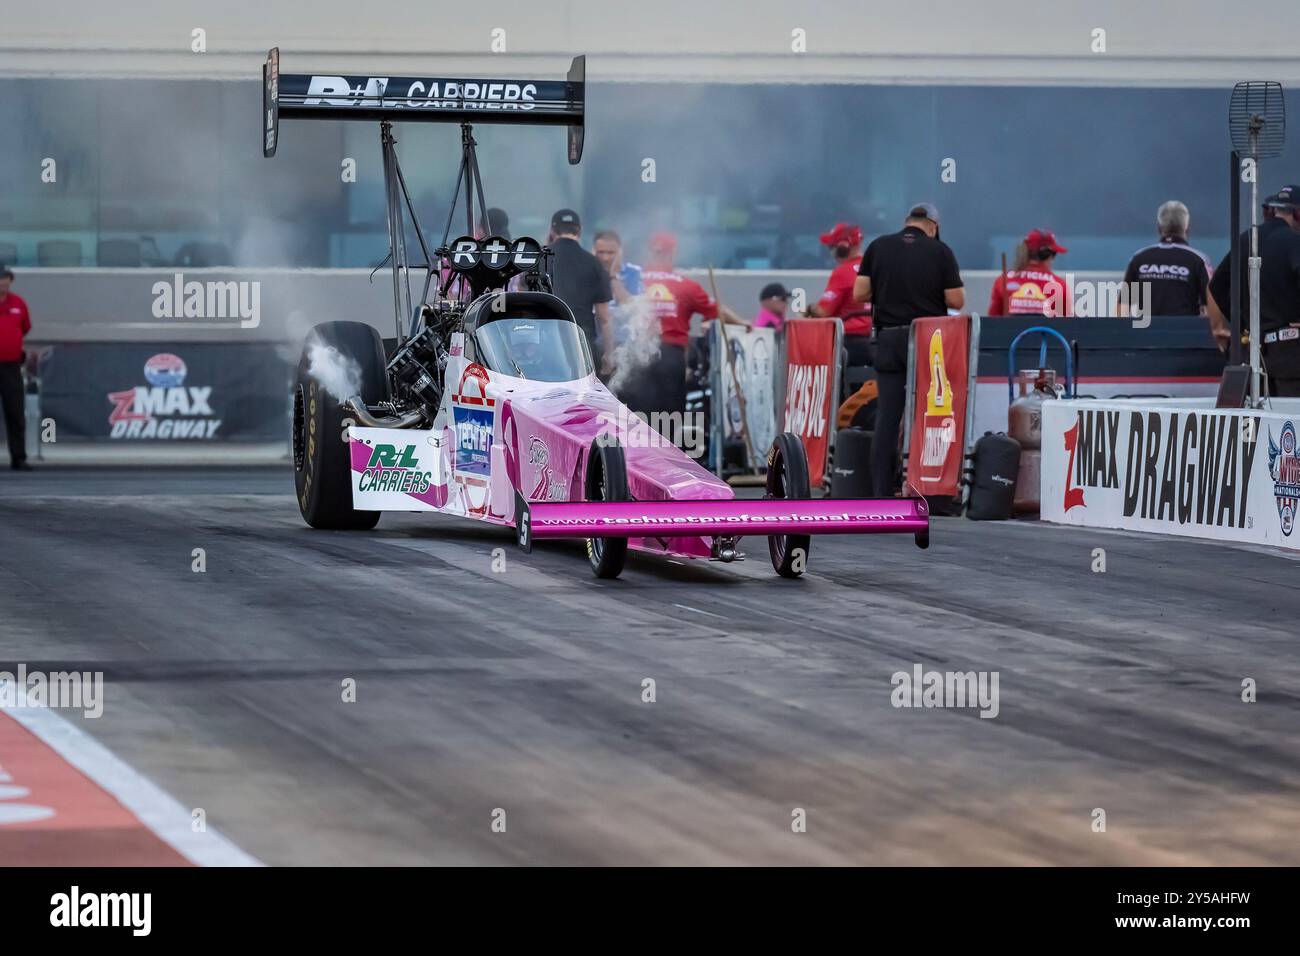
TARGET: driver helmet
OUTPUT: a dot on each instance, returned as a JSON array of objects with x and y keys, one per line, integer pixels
[{"x": 525, "y": 341}]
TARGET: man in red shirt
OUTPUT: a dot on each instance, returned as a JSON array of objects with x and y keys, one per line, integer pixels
[
  {"x": 661, "y": 385},
  {"x": 14, "y": 324},
  {"x": 845, "y": 242},
  {"x": 1035, "y": 289}
]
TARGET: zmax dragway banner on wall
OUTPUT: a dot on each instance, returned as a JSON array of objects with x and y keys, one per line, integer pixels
[
  {"x": 812, "y": 349},
  {"x": 941, "y": 350},
  {"x": 1203, "y": 472},
  {"x": 164, "y": 392}
]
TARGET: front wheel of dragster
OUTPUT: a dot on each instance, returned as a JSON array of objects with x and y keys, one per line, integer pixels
[
  {"x": 787, "y": 477},
  {"x": 606, "y": 481},
  {"x": 349, "y": 354}
]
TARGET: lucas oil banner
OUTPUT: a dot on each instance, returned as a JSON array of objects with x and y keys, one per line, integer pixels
[
  {"x": 1231, "y": 474},
  {"x": 166, "y": 392},
  {"x": 937, "y": 437},
  {"x": 812, "y": 348}
]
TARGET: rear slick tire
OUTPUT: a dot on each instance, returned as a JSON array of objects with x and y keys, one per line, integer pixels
[
  {"x": 322, "y": 464},
  {"x": 606, "y": 481},
  {"x": 787, "y": 478}
]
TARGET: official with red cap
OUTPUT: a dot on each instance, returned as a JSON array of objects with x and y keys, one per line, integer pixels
[
  {"x": 1035, "y": 289},
  {"x": 845, "y": 242},
  {"x": 674, "y": 298}
]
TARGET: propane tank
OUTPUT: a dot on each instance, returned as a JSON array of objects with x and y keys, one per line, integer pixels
[
  {"x": 1025, "y": 425},
  {"x": 1025, "y": 416},
  {"x": 1028, "y": 477}
]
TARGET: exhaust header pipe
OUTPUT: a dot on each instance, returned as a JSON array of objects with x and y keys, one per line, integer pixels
[{"x": 367, "y": 419}]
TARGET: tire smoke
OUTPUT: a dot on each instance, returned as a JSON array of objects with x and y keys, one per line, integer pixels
[
  {"x": 339, "y": 375},
  {"x": 638, "y": 344}
]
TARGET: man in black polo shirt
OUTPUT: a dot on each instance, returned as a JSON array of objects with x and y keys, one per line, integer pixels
[
  {"x": 582, "y": 282},
  {"x": 907, "y": 275},
  {"x": 1279, "y": 292},
  {"x": 1179, "y": 275}
]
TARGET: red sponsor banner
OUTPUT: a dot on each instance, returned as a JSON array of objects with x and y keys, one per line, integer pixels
[
  {"x": 938, "y": 439},
  {"x": 811, "y": 362}
]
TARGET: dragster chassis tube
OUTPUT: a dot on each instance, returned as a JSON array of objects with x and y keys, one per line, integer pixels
[{"x": 733, "y": 517}]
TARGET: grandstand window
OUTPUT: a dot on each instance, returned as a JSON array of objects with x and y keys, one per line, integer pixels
[{"x": 168, "y": 172}]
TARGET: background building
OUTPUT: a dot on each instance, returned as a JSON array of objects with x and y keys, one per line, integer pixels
[{"x": 756, "y": 147}]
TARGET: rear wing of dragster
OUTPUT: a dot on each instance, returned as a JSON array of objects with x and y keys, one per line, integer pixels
[{"x": 423, "y": 99}]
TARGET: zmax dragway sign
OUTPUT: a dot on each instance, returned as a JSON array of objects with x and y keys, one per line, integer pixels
[
  {"x": 1180, "y": 467},
  {"x": 1191, "y": 470}
]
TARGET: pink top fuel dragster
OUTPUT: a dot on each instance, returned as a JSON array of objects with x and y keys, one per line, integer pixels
[{"x": 486, "y": 405}]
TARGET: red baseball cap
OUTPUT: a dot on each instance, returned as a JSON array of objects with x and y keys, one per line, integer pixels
[
  {"x": 842, "y": 233},
  {"x": 663, "y": 242},
  {"x": 1042, "y": 239}
]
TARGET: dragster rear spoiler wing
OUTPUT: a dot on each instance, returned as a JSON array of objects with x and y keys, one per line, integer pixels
[{"x": 427, "y": 99}]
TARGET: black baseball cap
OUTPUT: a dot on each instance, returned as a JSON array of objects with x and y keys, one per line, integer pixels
[
  {"x": 567, "y": 218},
  {"x": 5, "y": 273},
  {"x": 773, "y": 290},
  {"x": 924, "y": 210},
  {"x": 1286, "y": 196}
]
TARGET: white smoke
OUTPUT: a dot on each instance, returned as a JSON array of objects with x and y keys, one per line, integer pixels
[
  {"x": 640, "y": 347},
  {"x": 298, "y": 325},
  {"x": 336, "y": 373}
]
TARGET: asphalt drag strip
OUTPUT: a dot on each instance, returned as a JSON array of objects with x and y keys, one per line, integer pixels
[{"x": 504, "y": 710}]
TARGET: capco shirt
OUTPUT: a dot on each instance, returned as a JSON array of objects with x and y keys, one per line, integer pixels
[
  {"x": 14, "y": 324},
  {"x": 580, "y": 280},
  {"x": 1179, "y": 277},
  {"x": 909, "y": 274}
]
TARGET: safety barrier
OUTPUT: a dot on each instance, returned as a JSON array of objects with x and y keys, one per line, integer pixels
[{"x": 1176, "y": 466}]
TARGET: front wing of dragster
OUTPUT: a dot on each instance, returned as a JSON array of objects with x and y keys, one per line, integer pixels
[{"x": 734, "y": 517}]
